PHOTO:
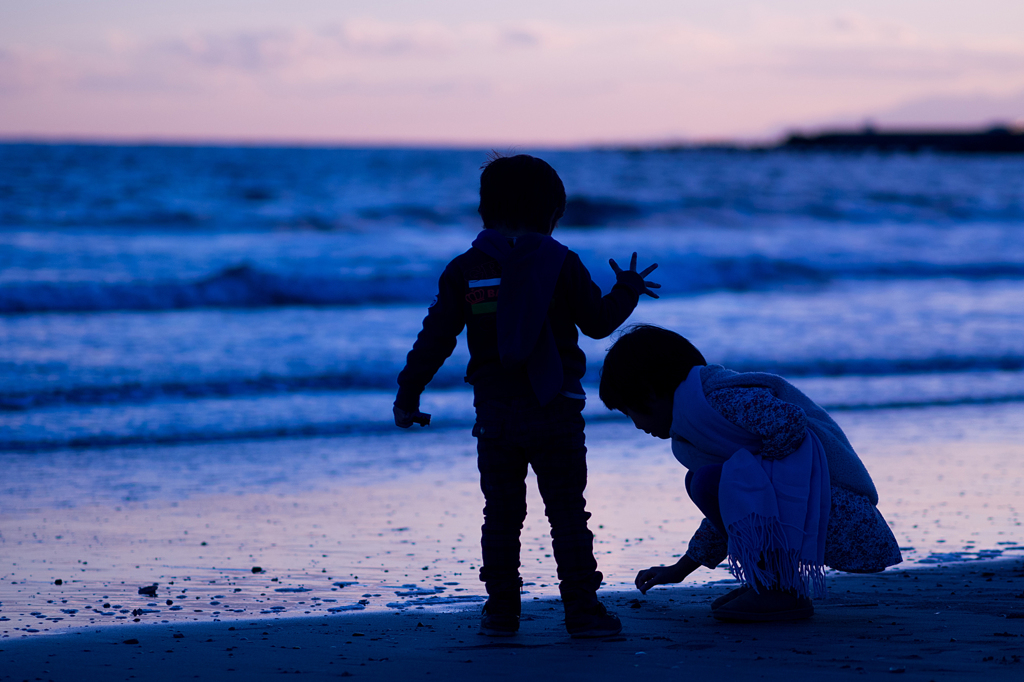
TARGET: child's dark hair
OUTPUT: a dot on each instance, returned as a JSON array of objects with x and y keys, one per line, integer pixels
[
  {"x": 645, "y": 360},
  {"x": 520, "y": 192}
]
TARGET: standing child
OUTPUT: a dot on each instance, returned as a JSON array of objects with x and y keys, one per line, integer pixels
[
  {"x": 781, "y": 488},
  {"x": 521, "y": 296}
]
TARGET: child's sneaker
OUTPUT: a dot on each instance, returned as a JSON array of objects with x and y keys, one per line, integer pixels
[
  {"x": 500, "y": 618},
  {"x": 591, "y": 621}
]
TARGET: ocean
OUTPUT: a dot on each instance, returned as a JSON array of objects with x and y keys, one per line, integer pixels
[{"x": 179, "y": 324}]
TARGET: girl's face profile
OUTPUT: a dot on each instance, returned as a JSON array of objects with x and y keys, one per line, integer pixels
[{"x": 657, "y": 421}]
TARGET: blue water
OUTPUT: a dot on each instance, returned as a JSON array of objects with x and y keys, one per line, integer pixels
[{"x": 191, "y": 294}]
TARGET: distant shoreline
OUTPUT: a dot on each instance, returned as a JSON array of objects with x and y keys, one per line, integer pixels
[
  {"x": 997, "y": 139},
  {"x": 993, "y": 140}
]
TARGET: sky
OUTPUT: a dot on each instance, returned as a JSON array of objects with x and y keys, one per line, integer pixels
[{"x": 465, "y": 72}]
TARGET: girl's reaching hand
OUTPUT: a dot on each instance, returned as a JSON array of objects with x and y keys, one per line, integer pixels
[{"x": 664, "y": 575}]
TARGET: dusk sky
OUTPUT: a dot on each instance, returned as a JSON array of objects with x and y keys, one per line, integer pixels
[{"x": 530, "y": 72}]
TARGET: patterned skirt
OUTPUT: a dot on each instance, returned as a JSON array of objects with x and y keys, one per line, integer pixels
[{"x": 858, "y": 539}]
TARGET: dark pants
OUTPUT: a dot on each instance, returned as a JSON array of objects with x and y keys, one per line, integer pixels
[
  {"x": 512, "y": 435},
  {"x": 702, "y": 487}
]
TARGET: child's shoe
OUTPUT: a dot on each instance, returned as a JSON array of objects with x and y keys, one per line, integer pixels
[
  {"x": 768, "y": 605},
  {"x": 726, "y": 598},
  {"x": 591, "y": 620},
  {"x": 500, "y": 617}
]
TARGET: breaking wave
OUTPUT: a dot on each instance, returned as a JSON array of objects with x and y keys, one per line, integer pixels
[{"x": 245, "y": 286}]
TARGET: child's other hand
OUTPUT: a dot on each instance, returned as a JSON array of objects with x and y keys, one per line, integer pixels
[
  {"x": 405, "y": 419},
  {"x": 632, "y": 268}
]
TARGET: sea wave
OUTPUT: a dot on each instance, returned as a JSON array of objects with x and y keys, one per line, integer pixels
[
  {"x": 582, "y": 211},
  {"x": 729, "y": 207},
  {"x": 125, "y": 393},
  {"x": 246, "y": 286},
  {"x": 241, "y": 286},
  {"x": 382, "y": 378},
  {"x": 176, "y": 431},
  {"x": 177, "y": 437},
  {"x": 209, "y": 188}
]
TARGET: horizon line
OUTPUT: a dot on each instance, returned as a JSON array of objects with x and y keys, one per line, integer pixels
[{"x": 674, "y": 143}]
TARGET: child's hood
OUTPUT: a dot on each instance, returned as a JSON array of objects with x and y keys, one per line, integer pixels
[{"x": 529, "y": 273}]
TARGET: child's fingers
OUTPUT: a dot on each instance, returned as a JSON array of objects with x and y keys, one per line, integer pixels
[
  {"x": 651, "y": 293},
  {"x": 647, "y": 579},
  {"x": 632, "y": 262},
  {"x": 649, "y": 270},
  {"x": 652, "y": 285},
  {"x": 615, "y": 266}
]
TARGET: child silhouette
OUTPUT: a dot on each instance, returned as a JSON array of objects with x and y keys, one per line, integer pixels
[{"x": 521, "y": 296}]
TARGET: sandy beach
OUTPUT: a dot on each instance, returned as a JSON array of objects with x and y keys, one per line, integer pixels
[
  {"x": 953, "y": 622},
  {"x": 367, "y": 550},
  {"x": 390, "y": 522}
]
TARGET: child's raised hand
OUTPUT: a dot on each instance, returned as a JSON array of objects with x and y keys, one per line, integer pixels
[
  {"x": 632, "y": 268},
  {"x": 405, "y": 419}
]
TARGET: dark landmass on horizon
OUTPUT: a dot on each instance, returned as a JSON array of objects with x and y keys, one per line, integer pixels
[
  {"x": 998, "y": 139},
  {"x": 995, "y": 140}
]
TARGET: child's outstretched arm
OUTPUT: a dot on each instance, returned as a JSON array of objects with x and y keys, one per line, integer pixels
[{"x": 598, "y": 316}]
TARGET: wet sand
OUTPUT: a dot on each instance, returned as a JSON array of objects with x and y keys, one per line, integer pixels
[
  {"x": 953, "y": 622},
  {"x": 379, "y": 534},
  {"x": 391, "y": 522}
]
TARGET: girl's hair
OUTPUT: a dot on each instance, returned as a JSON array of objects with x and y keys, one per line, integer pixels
[
  {"x": 520, "y": 191},
  {"x": 645, "y": 361}
]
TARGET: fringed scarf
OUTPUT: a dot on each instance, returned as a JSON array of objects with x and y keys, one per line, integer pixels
[{"x": 775, "y": 511}]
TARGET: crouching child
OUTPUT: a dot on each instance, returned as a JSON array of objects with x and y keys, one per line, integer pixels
[{"x": 782, "y": 491}]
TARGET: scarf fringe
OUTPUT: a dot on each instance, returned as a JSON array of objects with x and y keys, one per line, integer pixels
[{"x": 759, "y": 556}]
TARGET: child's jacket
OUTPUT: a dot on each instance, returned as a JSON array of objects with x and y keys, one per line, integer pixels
[{"x": 501, "y": 287}]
